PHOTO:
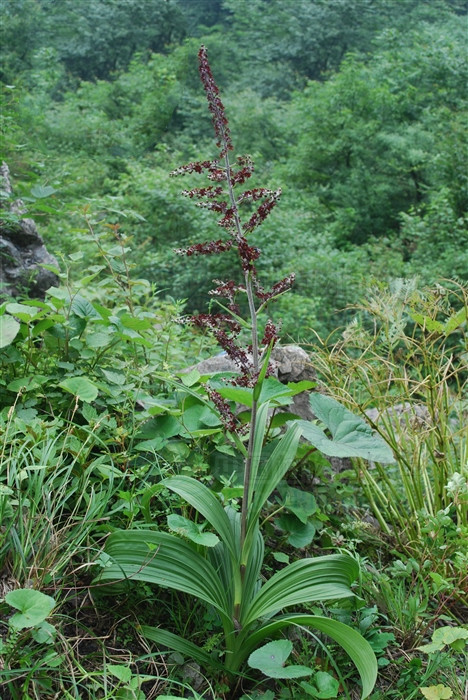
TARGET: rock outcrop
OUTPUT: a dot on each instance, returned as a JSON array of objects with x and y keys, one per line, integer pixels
[
  {"x": 291, "y": 364},
  {"x": 22, "y": 250}
]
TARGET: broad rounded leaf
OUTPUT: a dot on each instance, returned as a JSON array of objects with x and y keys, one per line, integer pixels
[
  {"x": 83, "y": 308},
  {"x": 301, "y": 503},
  {"x": 42, "y": 191},
  {"x": 27, "y": 383},
  {"x": 9, "y": 328},
  {"x": 23, "y": 311},
  {"x": 44, "y": 633},
  {"x": 33, "y": 607},
  {"x": 444, "y": 636},
  {"x": 326, "y": 687},
  {"x": 300, "y": 534},
  {"x": 270, "y": 660},
  {"x": 81, "y": 387},
  {"x": 436, "y": 692},
  {"x": 123, "y": 673},
  {"x": 352, "y": 642}
]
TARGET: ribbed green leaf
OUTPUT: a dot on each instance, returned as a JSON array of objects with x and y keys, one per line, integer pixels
[
  {"x": 320, "y": 578},
  {"x": 205, "y": 501},
  {"x": 260, "y": 427},
  {"x": 183, "y": 646},
  {"x": 273, "y": 471},
  {"x": 166, "y": 560},
  {"x": 349, "y": 639}
]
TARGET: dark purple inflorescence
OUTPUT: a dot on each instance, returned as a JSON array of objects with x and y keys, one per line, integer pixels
[{"x": 221, "y": 199}]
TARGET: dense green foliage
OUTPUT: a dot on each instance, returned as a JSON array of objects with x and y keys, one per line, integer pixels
[
  {"x": 360, "y": 122},
  {"x": 110, "y": 456}
]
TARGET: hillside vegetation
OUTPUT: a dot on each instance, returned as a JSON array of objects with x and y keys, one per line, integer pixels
[{"x": 166, "y": 533}]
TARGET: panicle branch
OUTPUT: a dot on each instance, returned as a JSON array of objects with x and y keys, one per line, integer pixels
[{"x": 215, "y": 104}]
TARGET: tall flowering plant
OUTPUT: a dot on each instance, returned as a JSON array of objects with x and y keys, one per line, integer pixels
[
  {"x": 223, "y": 199},
  {"x": 226, "y": 572}
]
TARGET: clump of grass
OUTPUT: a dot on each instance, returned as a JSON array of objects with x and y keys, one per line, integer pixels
[{"x": 402, "y": 362}]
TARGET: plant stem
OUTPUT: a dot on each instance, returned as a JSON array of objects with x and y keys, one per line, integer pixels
[{"x": 255, "y": 361}]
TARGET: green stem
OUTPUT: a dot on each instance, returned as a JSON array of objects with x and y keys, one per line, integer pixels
[{"x": 255, "y": 362}]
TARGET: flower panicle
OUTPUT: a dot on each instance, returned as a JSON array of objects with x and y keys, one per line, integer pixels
[
  {"x": 270, "y": 334},
  {"x": 228, "y": 290},
  {"x": 221, "y": 197},
  {"x": 225, "y": 330},
  {"x": 203, "y": 192},
  {"x": 228, "y": 418}
]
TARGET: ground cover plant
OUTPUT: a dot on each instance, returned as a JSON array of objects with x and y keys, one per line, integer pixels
[{"x": 115, "y": 466}]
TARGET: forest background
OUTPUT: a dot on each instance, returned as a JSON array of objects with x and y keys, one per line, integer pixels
[{"x": 355, "y": 108}]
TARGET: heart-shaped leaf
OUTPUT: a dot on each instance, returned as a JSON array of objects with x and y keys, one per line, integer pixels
[
  {"x": 23, "y": 311},
  {"x": 444, "y": 636},
  {"x": 270, "y": 659},
  {"x": 300, "y": 534},
  {"x": 81, "y": 387},
  {"x": 33, "y": 607},
  {"x": 436, "y": 692},
  {"x": 301, "y": 503},
  {"x": 44, "y": 633},
  {"x": 351, "y": 435},
  {"x": 123, "y": 673},
  {"x": 41, "y": 192},
  {"x": 326, "y": 687}
]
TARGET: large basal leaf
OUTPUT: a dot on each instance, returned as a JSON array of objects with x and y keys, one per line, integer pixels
[
  {"x": 183, "y": 646},
  {"x": 320, "y": 578},
  {"x": 207, "y": 504},
  {"x": 275, "y": 468},
  {"x": 9, "y": 329},
  {"x": 354, "y": 644},
  {"x": 165, "y": 560},
  {"x": 351, "y": 435},
  {"x": 259, "y": 437}
]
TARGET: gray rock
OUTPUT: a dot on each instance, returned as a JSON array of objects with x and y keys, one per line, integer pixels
[{"x": 22, "y": 250}]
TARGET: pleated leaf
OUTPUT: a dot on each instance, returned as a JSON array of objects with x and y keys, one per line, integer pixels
[
  {"x": 277, "y": 465},
  {"x": 166, "y": 560},
  {"x": 354, "y": 644},
  {"x": 183, "y": 646},
  {"x": 207, "y": 504},
  {"x": 306, "y": 580},
  {"x": 260, "y": 427}
]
